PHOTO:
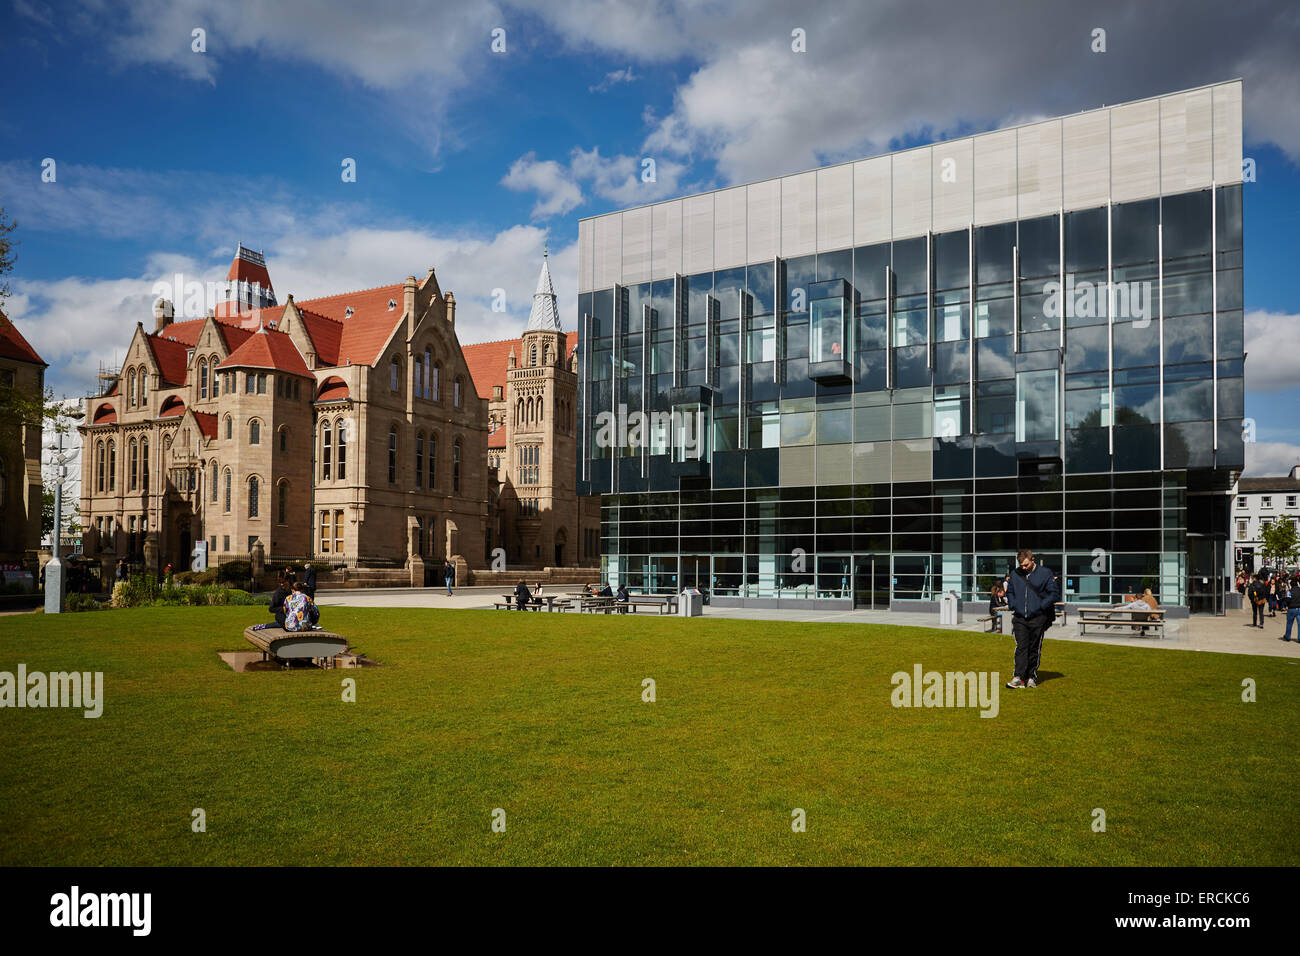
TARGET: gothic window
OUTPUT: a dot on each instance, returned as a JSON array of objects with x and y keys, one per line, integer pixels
[
  {"x": 203, "y": 378},
  {"x": 253, "y": 488},
  {"x": 341, "y": 447}
]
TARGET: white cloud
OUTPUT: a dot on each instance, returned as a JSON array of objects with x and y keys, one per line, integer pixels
[
  {"x": 613, "y": 78},
  {"x": 1265, "y": 459},
  {"x": 1268, "y": 367},
  {"x": 554, "y": 184}
]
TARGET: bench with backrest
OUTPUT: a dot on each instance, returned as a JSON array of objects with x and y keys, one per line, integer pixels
[{"x": 1125, "y": 619}]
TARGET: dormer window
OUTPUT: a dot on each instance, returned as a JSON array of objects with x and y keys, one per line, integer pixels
[
  {"x": 392, "y": 304},
  {"x": 347, "y": 313}
]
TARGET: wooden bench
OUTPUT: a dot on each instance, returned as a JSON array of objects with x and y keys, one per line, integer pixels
[
  {"x": 276, "y": 642},
  {"x": 665, "y": 603},
  {"x": 1124, "y": 618},
  {"x": 596, "y": 604},
  {"x": 989, "y": 622}
]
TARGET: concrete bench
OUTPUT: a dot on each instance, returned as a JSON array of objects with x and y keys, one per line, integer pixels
[
  {"x": 285, "y": 645},
  {"x": 665, "y": 604}
]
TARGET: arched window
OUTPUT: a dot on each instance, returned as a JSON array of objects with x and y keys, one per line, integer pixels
[
  {"x": 112, "y": 466},
  {"x": 433, "y": 461},
  {"x": 214, "y": 482},
  {"x": 203, "y": 378},
  {"x": 144, "y": 464},
  {"x": 130, "y": 388},
  {"x": 284, "y": 502},
  {"x": 455, "y": 392},
  {"x": 144, "y": 384},
  {"x": 392, "y": 455},
  {"x": 255, "y": 432},
  {"x": 532, "y": 354},
  {"x": 417, "y": 377},
  {"x": 99, "y": 467},
  {"x": 437, "y": 381},
  {"x": 252, "y": 496},
  {"x": 394, "y": 375},
  {"x": 455, "y": 466},
  {"x": 284, "y": 438},
  {"x": 341, "y": 447},
  {"x": 226, "y": 491},
  {"x": 519, "y": 412},
  {"x": 216, "y": 379},
  {"x": 541, "y": 414},
  {"x": 230, "y": 428},
  {"x": 419, "y": 460},
  {"x": 133, "y": 465},
  {"x": 428, "y": 371},
  {"x": 325, "y": 451}
]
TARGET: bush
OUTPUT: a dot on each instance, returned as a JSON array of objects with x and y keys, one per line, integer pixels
[
  {"x": 82, "y": 602},
  {"x": 234, "y": 572}
]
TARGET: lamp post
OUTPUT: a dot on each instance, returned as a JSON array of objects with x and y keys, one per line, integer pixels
[{"x": 55, "y": 582}]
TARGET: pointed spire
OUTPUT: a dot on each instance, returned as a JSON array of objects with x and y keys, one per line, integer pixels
[{"x": 545, "y": 317}]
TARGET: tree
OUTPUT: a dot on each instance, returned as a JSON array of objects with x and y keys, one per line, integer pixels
[
  {"x": 7, "y": 254},
  {"x": 1281, "y": 545}
]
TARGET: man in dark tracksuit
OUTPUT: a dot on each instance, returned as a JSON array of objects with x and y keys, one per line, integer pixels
[
  {"x": 1032, "y": 593},
  {"x": 1257, "y": 595}
]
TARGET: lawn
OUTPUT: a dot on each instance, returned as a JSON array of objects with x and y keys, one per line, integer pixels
[{"x": 542, "y": 716}]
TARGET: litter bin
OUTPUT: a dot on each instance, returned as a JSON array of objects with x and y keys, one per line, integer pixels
[
  {"x": 950, "y": 609},
  {"x": 690, "y": 603}
]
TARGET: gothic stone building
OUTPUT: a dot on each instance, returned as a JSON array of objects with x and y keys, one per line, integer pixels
[
  {"x": 344, "y": 428},
  {"x": 531, "y": 386},
  {"x": 21, "y": 369}
]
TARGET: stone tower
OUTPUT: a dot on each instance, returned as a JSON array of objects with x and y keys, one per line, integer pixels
[{"x": 542, "y": 527}]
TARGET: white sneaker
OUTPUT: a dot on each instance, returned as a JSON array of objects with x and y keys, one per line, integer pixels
[
  {"x": 1031, "y": 683},
  {"x": 1016, "y": 682}
]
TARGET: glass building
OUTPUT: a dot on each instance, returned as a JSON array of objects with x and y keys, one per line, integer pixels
[{"x": 870, "y": 384}]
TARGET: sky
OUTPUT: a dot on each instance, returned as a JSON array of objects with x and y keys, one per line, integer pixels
[{"x": 481, "y": 133}]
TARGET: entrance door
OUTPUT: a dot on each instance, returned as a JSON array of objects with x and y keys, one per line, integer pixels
[
  {"x": 1206, "y": 583},
  {"x": 696, "y": 573},
  {"x": 871, "y": 581}
]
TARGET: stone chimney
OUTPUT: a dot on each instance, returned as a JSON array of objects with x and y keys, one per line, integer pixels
[
  {"x": 163, "y": 313},
  {"x": 408, "y": 305},
  {"x": 449, "y": 299},
  {"x": 512, "y": 362}
]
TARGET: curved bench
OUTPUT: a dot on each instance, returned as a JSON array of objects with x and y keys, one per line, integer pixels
[{"x": 296, "y": 645}]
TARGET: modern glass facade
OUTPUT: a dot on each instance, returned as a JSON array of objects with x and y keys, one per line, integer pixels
[{"x": 890, "y": 421}]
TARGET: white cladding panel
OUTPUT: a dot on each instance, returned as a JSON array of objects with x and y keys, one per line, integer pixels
[
  {"x": 1135, "y": 151},
  {"x": 666, "y": 239},
  {"x": 1038, "y": 169},
  {"x": 729, "y": 228},
  {"x": 912, "y": 185},
  {"x": 953, "y": 195},
  {"x": 608, "y": 257},
  {"x": 636, "y": 245},
  {"x": 1085, "y": 140},
  {"x": 586, "y": 230},
  {"x": 834, "y": 207},
  {"x": 697, "y": 234},
  {"x": 1227, "y": 133},
  {"x": 995, "y": 177},
  {"x": 799, "y": 215},
  {"x": 763, "y": 201},
  {"x": 1186, "y": 141},
  {"x": 872, "y": 200}
]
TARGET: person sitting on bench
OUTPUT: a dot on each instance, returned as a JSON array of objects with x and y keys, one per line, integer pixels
[
  {"x": 278, "y": 597},
  {"x": 300, "y": 611},
  {"x": 997, "y": 604},
  {"x": 621, "y": 598},
  {"x": 523, "y": 596},
  {"x": 606, "y": 591}
]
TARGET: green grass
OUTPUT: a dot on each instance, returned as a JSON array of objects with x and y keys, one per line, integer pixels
[{"x": 542, "y": 716}]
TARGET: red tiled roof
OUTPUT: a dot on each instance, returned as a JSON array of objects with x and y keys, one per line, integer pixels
[
  {"x": 268, "y": 349},
  {"x": 325, "y": 333},
  {"x": 172, "y": 358},
  {"x": 13, "y": 345},
  {"x": 497, "y": 439},
  {"x": 333, "y": 389},
  {"x": 172, "y": 407},
  {"x": 106, "y": 414},
  {"x": 488, "y": 361},
  {"x": 364, "y": 333},
  {"x": 247, "y": 271},
  {"x": 207, "y": 424}
]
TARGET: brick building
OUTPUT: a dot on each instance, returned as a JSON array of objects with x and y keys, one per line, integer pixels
[
  {"x": 20, "y": 453},
  {"x": 344, "y": 428}
]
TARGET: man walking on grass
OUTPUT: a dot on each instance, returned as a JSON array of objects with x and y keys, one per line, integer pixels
[{"x": 1032, "y": 593}]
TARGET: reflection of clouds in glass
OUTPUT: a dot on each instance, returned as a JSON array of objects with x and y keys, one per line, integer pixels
[
  {"x": 1189, "y": 340},
  {"x": 1137, "y": 404},
  {"x": 995, "y": 365},
  {"x": 1188, "y": 401}
]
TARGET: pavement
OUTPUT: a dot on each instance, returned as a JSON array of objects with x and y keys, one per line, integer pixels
[{"x": 1230, "y": 633}]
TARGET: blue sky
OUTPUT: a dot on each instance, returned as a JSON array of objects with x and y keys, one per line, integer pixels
[{"x": 469, "y": 160}]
